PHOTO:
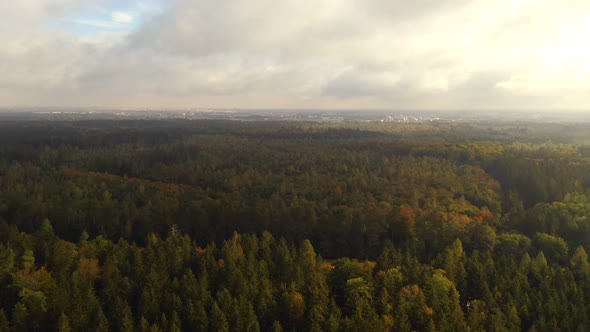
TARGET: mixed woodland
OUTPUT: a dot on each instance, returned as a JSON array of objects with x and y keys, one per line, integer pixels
[{"x": 177, "y": 225}]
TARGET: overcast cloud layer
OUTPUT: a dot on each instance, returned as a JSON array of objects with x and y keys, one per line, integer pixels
[{"x": 362, "y": 54}]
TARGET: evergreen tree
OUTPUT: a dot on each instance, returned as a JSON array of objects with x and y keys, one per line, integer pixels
[
  {"x": 218, "y": 320},
  {"x": 20, "y": 317},
  {"x": 63, "y": 324},
  {"x": 4, "y": 324}
]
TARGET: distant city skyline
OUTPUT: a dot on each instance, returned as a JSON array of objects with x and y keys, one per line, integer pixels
[{"x": 296, "y": 54}]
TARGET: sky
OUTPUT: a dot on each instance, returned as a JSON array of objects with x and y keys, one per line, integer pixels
[{"x": 296, "y": 54}]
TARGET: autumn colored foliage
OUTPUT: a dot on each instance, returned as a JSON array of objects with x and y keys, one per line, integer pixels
[{"x": 249, "y": 226}]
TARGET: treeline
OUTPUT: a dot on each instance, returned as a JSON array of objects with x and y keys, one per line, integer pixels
[{"x": 347, "y": 193}]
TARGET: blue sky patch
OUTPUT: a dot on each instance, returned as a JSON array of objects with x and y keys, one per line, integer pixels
[{"x": 121, "y": 16}]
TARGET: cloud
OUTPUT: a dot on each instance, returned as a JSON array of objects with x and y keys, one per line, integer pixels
[
  {"x": 121, "y": 17},
  {"x": 478, "y": 54},
  {"x": 95, "y": 23},
  {"x": 355, "y": 83}
]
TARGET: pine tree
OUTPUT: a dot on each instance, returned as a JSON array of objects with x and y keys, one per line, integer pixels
[
  {"x": 28, "y": 260},
  {"x": 580, "y": 265},
  {"x": 144, "y": 325},
  {"x": 477, "y": 314},
  {"x": 412, "y": 311},
  {"x": 201, "y": 317},
  {"x": 102, "y": 322},
  {"x": 332, "y": 323},
  {"x": 175, "y": 323},
  {"x": 448, "y": 315},
  {"x": 20, "y": 317},
  {"x": 4, "y": 324},
  {"x": 7, "y": 256},
  {"x": 218, "y": 321},
  {"x": 276, "y": 326},
  {"x": 124, "y": 316},
  {"x": 63, "y": 325}
]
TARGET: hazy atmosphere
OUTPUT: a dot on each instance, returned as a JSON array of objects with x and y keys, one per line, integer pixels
[{"x": 369, "y": 54}]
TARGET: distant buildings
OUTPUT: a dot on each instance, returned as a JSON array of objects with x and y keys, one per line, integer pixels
[{"x": 408, "y": 119}]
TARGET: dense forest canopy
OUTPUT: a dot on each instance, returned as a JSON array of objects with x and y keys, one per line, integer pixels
[{"x": 245, "y": 226}]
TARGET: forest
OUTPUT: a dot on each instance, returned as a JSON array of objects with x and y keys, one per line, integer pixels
[{"x": 210, "y": 225}]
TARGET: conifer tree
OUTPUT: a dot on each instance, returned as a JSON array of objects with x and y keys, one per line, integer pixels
[
  {"x": 4, "y": 323},
  {"x": 63, "y": 325},
  {"x": 218, "y": 321}
]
